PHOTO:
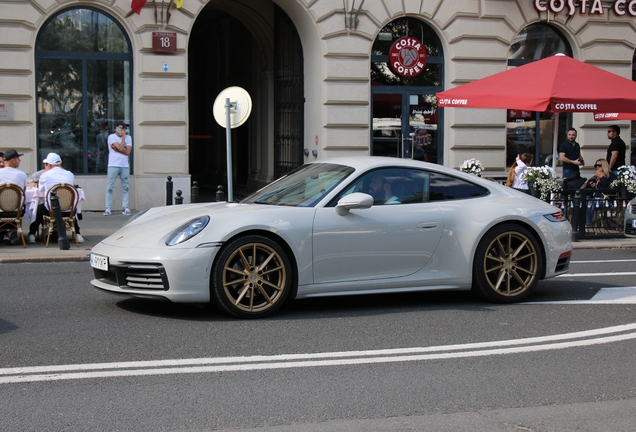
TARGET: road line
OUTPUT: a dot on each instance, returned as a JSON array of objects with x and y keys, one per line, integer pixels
[
  {"x": 577, "y": 275},
  {"x": 215, "y": 365},
  {"x": 601, "y": 261},
  {"x": 615, "y": 295}
]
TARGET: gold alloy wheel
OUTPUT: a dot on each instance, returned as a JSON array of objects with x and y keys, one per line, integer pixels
[
  {"x": 254, "y": 277},
  {"x": 511, "y": 264}
]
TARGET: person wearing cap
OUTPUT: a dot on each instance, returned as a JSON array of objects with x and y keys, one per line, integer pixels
[
  {"x": 53, "y": 174},
  {"x": 119, "y": 147},
  {"x": 10, "y": 172}
]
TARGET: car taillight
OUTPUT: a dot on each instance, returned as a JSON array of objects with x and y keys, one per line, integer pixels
[{"x": 555, "y": 217}]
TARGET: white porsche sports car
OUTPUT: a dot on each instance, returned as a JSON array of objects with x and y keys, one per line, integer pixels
[{"x": 340, "y": 227}]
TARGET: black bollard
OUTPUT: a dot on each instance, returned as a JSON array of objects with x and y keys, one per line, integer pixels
[
  {"x": 194, "y": 192},
  {"x": 169, "y": 191},
  {"x": 576, "y": 216},
  {"x": 178, "y": 199},
  {"x": 62, "y": 240},
  {"x": 220, "y": 195}
]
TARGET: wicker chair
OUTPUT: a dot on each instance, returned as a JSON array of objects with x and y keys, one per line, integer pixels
[
  {"x": 11, "y": 207},
  {"x": 67, "y": 197}
]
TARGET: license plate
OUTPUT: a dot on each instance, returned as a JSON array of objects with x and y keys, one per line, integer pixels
[
  {"x": 634, "y": 223},
  {"x": 99, "y": 262}
]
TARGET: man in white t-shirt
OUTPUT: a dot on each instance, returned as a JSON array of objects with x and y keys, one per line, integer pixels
[
  {"x": 119, "y": 147},
  {"x": 10, "y": 173},
  {"x": 53, "y": 174}
]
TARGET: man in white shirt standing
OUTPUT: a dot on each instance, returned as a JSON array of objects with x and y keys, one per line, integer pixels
[
  {"x": 119, "y": 147},
  {"x": 53, "y": 174},
  {"x": 10, "y": 173}
]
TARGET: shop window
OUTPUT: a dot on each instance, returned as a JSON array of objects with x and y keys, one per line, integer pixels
[
  {"x": 83, "y": 77},
  {"x": 404, "y": 120},
  {"x": 527, "y": 131}
]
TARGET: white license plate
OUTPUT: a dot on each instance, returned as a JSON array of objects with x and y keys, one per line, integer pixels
[
  {"x": 99, "y": 262},
  {"x": 634, "y": 223}
]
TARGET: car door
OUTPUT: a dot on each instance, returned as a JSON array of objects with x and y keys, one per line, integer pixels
[{"x": 395, "y": 237}]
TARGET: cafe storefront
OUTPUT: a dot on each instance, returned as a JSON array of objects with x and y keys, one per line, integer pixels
[{"x": 326, "y": 79}]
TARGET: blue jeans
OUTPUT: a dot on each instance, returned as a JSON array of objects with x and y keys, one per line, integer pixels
[
  {"x": 569, "y": 173},
  {"x": 123, "y": 173}
]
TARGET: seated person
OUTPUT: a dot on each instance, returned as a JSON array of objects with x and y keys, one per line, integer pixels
[
  {"x": 53, "y": 174},
  {"x": 380, "y": 190},
  {"x": 601, "y": 179},
  {"x": 10, "y": 173}
]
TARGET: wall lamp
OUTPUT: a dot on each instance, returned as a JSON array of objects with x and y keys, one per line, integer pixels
[{"x": 351, "y": 17}]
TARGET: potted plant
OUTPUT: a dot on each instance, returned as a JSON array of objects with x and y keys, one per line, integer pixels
[
  {"x": 542, "y": 180},
  {"x": 626, "y": 181},
  {"x": 472, "y": 166}
]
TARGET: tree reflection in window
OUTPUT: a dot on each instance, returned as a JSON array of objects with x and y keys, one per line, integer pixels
[{"x": 83, "y": 71}]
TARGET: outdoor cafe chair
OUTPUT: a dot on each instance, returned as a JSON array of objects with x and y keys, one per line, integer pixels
[
  {"x": 11, "y": 207},
  {"x": 68, "y": 197}
]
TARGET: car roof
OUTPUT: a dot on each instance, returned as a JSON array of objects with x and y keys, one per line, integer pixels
[{"x": 370, "y": 162}]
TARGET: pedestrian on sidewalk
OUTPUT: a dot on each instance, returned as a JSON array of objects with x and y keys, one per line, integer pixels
[
  {"x": 119, "y": 147},
  {"x": 616, "y": 150}
]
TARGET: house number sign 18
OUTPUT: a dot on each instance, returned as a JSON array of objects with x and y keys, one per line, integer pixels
[{"x": 164, "y": 42}]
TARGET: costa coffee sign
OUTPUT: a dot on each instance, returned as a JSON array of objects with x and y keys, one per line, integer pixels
[
  {"x": 407, "y": 57},
  {"x": 585, "y": 7}
]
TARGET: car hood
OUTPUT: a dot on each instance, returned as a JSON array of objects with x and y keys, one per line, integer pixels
[{"x": 153, "y": 228}]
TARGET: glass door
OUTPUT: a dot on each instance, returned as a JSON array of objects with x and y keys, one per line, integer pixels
[{"x": 405, "y": 126}]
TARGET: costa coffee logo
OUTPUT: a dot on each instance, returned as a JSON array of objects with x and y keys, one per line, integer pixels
[
  {"x": 407, "y": 57},
  {"x": 585, "y": 7}
]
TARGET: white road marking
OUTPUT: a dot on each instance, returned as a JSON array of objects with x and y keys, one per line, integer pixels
[
  {"x": 601, "y": 261},
  {"x": 617, "y": 295},
  {"x": 578, "y": 275},
  {"x": 284, "y": 361}
]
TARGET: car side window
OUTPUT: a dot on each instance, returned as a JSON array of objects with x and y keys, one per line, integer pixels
[
  {"x": 445, "y": 187},
  {"x": 390, "y": 186}
]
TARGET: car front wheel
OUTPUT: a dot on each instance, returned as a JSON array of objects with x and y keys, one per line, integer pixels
[
  {"x": 507, "y": 264},
  {"x": 251, "y": 277}
]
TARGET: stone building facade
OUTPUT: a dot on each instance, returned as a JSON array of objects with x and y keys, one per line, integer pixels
[{"x": 318, "y": 73}]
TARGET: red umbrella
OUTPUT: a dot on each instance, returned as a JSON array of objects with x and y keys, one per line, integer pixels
[{"x": 556, "y": 84}]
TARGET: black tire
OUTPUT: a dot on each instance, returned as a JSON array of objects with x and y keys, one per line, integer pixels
[
  {"x": 245, "y": 290},
  {"x": 508, "y": 264}
]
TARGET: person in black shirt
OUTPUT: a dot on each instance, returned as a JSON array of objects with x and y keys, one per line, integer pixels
[
  {"x": 616, "y": 150},
  {"x": 570, "y": 155}
]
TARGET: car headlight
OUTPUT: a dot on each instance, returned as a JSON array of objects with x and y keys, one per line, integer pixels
[{"x": 187, "y": 230}]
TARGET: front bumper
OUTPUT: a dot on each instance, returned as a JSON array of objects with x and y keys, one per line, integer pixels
[{"x": 178, "y": 275}]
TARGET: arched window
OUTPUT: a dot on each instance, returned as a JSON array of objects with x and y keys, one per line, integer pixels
[
  {"x": 83, "y": 77},
  {"x": 531, "y": 132},
  {"x": 404, "y": 107}
]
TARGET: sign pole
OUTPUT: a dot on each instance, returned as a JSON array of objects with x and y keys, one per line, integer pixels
[{"x": 228, "y": 139}]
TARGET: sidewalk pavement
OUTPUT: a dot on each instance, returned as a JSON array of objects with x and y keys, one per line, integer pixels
[{"x": 95, "y": 227}]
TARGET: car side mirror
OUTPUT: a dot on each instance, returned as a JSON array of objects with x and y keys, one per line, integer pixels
[{"x": 356, "y": 200}]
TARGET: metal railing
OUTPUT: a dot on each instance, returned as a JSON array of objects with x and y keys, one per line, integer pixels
[{"x": 593, "y": 213}]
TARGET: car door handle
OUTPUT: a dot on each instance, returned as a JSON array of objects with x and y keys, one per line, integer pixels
[{"x": 427, "y": 225}]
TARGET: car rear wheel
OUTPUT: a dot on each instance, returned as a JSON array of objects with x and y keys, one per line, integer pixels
[
  {"x": 251, "y": 277},
  {"x": 508, "y": 264}
]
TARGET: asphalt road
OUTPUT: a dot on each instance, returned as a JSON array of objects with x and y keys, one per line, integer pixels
[{"x": 74, "y": 358}]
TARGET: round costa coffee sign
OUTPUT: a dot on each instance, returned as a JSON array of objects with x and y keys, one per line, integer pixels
[{"x": 407, "y": 57}]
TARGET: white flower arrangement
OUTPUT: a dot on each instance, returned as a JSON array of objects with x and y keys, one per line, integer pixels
[
  {"x": 472, "y": 166},
  {"x": 542, "y": 179},
  {"x": 626, "y": 176}
]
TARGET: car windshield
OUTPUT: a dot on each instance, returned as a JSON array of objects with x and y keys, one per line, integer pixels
[{"x": 303, "y": 187}]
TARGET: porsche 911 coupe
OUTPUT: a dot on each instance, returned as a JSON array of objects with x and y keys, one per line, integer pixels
[{"x": 338, "y": 227}]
